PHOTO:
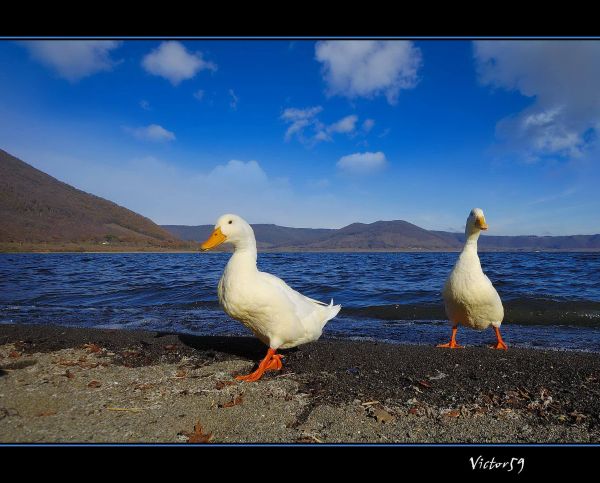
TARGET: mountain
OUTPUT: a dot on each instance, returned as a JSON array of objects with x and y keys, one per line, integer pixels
[
  {"x": 397, "y": 235},
  {"x": 267, "y": 235},
  {"x": 383, "y": 235},
  {"x": 37, "y": 210}
]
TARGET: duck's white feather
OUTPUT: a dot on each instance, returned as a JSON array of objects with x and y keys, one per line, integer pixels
[
  {"x": 469, "y": 296},
  {"x": 277, "y": 314}
]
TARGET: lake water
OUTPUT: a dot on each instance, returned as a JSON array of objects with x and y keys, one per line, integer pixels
[{"x": 551, "y": 300}]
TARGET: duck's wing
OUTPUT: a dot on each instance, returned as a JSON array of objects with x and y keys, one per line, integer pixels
[{"x": 304, "y": 305}]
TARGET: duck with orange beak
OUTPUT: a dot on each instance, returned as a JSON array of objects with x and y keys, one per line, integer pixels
[
  {"x": 277, "y": 314},
  {"x": 470, "y": 298}
]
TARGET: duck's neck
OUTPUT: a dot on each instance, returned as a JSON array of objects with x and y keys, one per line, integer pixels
[
  {"x": 470, "y": 249},
  {"x": 244, "y": 255},
  {"x": 471, "y": 240}
]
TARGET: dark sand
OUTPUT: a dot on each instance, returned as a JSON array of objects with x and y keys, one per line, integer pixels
[{"x": 153, "y": 387}]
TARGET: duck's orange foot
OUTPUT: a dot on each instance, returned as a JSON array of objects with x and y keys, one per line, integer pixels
[
  {"x": 275, "y": 363},
  {"x": 451, "y": 345},
  {"x": 253, "y": 376},
  {"x": 500, "y": 345},
  {"x": 271, "y": 362}
]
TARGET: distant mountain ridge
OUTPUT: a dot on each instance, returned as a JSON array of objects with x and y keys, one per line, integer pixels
[
  {"x": 39, "y": 212},
  {"x": 388, "y": 236},
  {"x": 37, "y": 209}
]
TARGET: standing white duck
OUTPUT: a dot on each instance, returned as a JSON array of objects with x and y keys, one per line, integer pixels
[
  {"x": 469, "y": 296},
  {"x": 278, "y": 315}
]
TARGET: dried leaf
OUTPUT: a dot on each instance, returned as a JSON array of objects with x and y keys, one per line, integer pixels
[
  {"x": 69, "y": 374},
  {"x": 92, "y": 348},
  {"x": 237, "y": 400},
  {"x": 198, "y": 436},
  {"x": 14, "y": 354},
  {"x": 413, "y": 411},
  {"x": 425, "y": 384},
  {"x": 382, "y": 416},
  {"x": 46, "y": 413},
  {"x": 221, "y": 384},
  {"x": 171, "y": 347},
  {"x": 94, "y": 384},
  {"x": 143, "y": 386},
  {"x": 452, "y": 414},
  {"x": 181, "y": 373}
]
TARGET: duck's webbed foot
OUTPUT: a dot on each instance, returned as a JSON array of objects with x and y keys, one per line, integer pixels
[
  {"x": 500, "y": 344},
  {"x": 452, "y": 344},
  {"x": 271, "y": 362}
]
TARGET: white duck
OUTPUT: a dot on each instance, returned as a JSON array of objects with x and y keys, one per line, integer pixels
[
  {"x": 469, "y": 296},
  {"x": 277, "y": 314}
]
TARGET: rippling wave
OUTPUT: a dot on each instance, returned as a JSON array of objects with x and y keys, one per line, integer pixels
[{"x": 550, "y": 299}]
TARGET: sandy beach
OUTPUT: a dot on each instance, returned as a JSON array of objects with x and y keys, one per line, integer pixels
[{"x": 87, "y": 385}]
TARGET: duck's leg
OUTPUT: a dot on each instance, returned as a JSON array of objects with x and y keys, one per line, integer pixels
[
  {"x": 271, "y": 362},
  {"x": 452, "y": 344},
  {"x": 500, "y": 344}
]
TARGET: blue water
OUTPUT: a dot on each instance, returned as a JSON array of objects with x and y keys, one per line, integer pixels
[{"x": 552, "y": 300}]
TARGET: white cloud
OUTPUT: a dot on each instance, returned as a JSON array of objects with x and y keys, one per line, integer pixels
[
  {"x": 73, "y": 59},
  {"x": 362, "y": 163},
  {"x": 368, "y": 68},
  {"x": 145, "y": 105},
  {"x": 233, "y": 103},
  {"x": 344, "y": 125},
  {"x": 301, "y": 119},
  {"x": 368, "y": 124},
  {"x": 199, "y": 94},
  {"x": 298, "y": 120},
  {"x": 385, "y": 132},
  {"x": 153, "y": 132},
  {"x": 294, "y": 114},
  {"x": 561, "y": 77},
  {"x": 198, "y": 195},
  {"x": 172, "y": 61}
]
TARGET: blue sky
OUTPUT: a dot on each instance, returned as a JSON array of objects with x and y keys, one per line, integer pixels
[{"x": 316, "y": 134}]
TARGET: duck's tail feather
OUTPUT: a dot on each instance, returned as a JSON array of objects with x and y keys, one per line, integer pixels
[{"x": 332, "y": 311}]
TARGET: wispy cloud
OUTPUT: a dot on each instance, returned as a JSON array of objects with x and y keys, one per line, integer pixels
[
  {"x": 73, "y": 59},
  {"x": 561, "y": 77},
  {"x": 174, "y": 62},
  {"x": 145, "y": 105},
  {"x": 233, "y": 102},
  {"x": 362, "y": 163},
  {"x": 367, "y": 125},
  {"x": 345, "y": 125},
  {"x": 199, "y": 94},
  {"x": 363, "y": 68},
  {"x": 153, "y": 132},
  {"x": 301, "y": 120}
]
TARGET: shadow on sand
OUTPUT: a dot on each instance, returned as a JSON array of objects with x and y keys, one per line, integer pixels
[{"x": 246, "y": 347}]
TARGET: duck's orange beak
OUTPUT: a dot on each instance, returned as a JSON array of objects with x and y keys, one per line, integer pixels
[
  {"x": 214, "y": 240},
  {"x": 480, "y": 222}
]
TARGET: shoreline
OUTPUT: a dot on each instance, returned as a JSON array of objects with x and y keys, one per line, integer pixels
[
  {"x": 60, "y": 384},
  {"x": 332, "y": 250}
]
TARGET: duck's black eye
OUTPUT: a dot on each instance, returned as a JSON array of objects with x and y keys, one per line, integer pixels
[{"x": 230, "y": 222}]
